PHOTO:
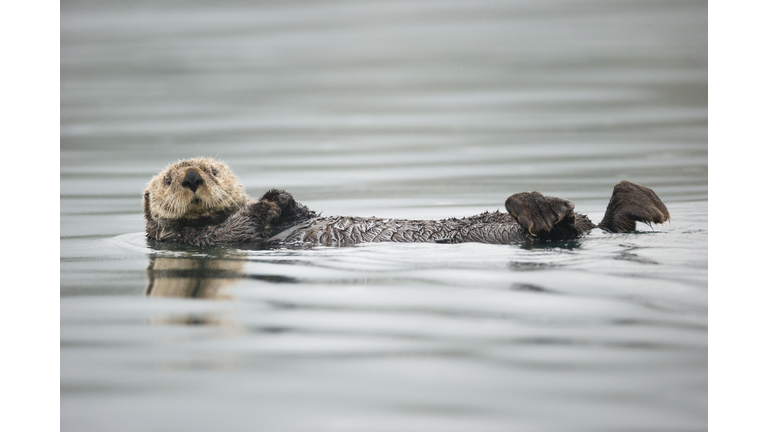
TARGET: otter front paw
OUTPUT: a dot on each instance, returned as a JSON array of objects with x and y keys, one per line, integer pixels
[
  {"x": 632, "y": 203},
  {"x": 283, "y": 199},
  {"x": 264, "y": 212},
  {"x": 538, "y": 213}
]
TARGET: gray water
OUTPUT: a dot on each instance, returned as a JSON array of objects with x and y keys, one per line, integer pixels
[{"x": 412, "y": 109}]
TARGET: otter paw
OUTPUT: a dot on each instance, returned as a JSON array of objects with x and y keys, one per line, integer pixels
[
  {"x": 264, "y": 212},
  {"x": 631, "y": 203},
  {"x": 538, "y": 213},
  {"x": 283, "y": 199}
]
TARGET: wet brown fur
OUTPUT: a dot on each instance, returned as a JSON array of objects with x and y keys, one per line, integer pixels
[{"x": 200, "y": 201}]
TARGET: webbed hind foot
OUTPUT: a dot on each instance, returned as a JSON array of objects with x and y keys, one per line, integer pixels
[{"x": 631, "y": 203}]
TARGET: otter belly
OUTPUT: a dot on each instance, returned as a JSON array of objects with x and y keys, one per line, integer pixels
[{"x": 496, "y": 228}]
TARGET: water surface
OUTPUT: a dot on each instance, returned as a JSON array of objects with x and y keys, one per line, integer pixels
[{"x": 413, "y": 109}]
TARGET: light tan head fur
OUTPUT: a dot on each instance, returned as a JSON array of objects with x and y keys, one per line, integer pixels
[{"x": 193, "y": 191}]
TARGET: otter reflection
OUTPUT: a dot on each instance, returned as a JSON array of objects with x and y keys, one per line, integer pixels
[
  {"x": 192, "y": 277},
  {"x": 204, "y": 278}
]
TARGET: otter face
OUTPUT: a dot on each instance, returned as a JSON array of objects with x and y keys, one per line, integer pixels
[{"x": 194, "y": 191}]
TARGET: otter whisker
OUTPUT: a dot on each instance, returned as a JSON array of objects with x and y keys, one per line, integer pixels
[{"x": 228, "y": 196}]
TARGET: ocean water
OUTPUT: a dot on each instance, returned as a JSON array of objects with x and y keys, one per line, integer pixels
[{"x": 417, "y": 109}]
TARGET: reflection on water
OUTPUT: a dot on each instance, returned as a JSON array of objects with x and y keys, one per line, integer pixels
[
  {"x": 191, "y": 277},
  {"x": 199, "y": 277}
]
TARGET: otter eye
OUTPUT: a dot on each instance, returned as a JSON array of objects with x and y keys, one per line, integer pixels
[
  {"x": 214, "y": 172},
  {"x": 168, "y": 181}
]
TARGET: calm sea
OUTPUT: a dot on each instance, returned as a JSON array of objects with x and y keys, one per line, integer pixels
[{"x": 410, "y": 109}]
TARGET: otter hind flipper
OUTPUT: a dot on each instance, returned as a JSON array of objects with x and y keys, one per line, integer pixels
[{"x": 631, "y": 203}]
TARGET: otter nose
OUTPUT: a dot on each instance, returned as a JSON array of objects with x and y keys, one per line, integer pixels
[{"x": 192, "y": 180}]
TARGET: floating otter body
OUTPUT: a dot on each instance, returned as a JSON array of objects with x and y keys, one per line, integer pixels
[{"x": 201, "y": 202}]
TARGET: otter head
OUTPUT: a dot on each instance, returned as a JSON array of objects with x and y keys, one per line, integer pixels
[{"x": 193, "y": 192}]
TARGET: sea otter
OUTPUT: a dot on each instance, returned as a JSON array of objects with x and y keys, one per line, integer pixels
[{"x": 201, "y": 202}]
